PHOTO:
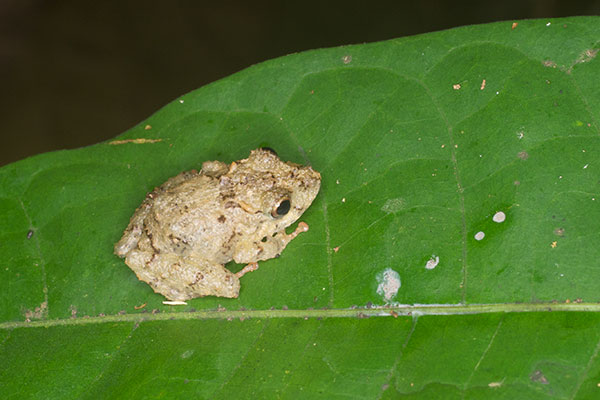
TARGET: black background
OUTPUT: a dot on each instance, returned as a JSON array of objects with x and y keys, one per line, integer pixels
[{"x": 78, "y": 72}]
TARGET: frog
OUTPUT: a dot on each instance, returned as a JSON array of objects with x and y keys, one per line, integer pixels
[{"x": 185, "y": 231}]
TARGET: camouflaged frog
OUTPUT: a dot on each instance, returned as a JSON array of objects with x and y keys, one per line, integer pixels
[{"x": 182, "y": 235}]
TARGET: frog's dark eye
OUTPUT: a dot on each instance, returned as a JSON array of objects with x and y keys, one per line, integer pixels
[{"x": 282, "y": 208}]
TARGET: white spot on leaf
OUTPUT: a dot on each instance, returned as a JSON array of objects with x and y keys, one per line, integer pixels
[
  {"x": 432, "y": 262},
  {"x": 388, "y": 284},
  {"x": 174, "y": 303},
  {"x": 479, "y": 235},
  {"x": 499, "y": 217}
]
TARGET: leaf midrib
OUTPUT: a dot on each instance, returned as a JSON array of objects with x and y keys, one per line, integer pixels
[{"x": 381, "y": 311}]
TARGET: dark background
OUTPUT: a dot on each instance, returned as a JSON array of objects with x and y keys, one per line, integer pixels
[{"x": 78, "y": 72}]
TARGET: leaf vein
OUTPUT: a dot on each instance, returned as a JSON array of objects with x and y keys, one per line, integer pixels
[{"x": 45, "y": 310}]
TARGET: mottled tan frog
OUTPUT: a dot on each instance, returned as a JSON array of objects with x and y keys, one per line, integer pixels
[{"x": 186, "y": 230}]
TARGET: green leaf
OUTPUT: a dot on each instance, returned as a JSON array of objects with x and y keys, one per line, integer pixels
[{"x": 421, "y": 141}]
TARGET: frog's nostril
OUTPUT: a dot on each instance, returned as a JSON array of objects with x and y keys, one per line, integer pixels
[{"x": 270, "y": 150}]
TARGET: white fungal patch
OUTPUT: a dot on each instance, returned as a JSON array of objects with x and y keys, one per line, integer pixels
[
  {"x": 499, "y": 217},
  {"x": 388, "y": 283},
  {"x": 479, "y": 235},
  {"x": 432, "y": 262},
  {"x": 392, "y": 206}
]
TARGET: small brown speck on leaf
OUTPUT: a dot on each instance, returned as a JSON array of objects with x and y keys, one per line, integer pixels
[
  {"x": 523, "y": 155},
  {"x": 135, "y": 141},
  {"x": 38, "y": 313},
  {"x": 140, "y": 307},
  {"x": 586, "y": 56},
  {"x": 538, "y": 376}
]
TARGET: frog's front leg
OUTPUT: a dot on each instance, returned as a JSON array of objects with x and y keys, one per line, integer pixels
[
  {"x": 269, "y": 247},
  {"x": 253, "y": 266},
  {"x": 284, "y": 238}
]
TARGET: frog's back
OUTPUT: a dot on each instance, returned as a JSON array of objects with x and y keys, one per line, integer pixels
[
  {"x": 188, "y": 218},
  {"x": 172, "y": 214}
]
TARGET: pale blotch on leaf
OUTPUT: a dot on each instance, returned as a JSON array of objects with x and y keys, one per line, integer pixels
[
  {"x": 388, "y": 283},
  {"x": 479, "y": 235},
  {"x": 392, "y": 206},
  {"x": 499, "y": 217},
  {"x": 432, "y": 262},
  {"x": 187, "y": 354},
  {"x": 539, "y": 377}
]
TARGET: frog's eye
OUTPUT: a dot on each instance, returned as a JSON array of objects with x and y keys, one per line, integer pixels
[{"x": 282, "y": 208}]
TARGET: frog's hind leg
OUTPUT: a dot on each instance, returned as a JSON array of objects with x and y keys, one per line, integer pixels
[
  {"x": 204, "y": 279},
  {"x": 184, "y": 278}
]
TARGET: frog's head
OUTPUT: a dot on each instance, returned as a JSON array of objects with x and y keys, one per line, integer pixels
[{"x": 280, "y": 191}]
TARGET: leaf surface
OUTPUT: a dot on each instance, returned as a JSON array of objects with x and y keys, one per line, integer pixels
[{"x": 423, "y": 143}]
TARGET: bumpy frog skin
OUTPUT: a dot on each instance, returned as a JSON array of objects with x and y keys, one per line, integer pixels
[{"x": 186, "y": 230}]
